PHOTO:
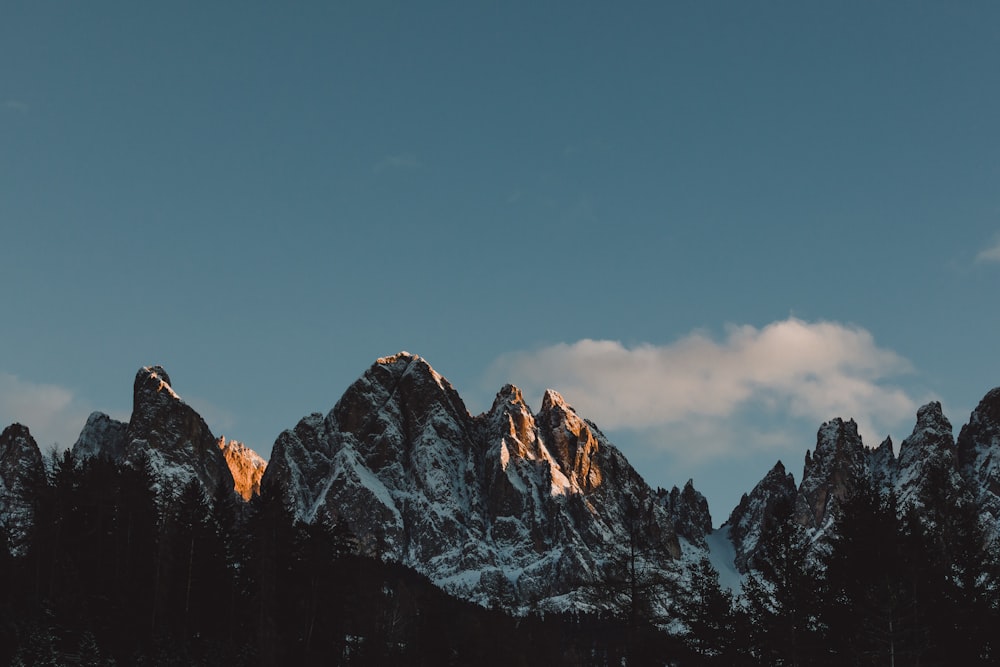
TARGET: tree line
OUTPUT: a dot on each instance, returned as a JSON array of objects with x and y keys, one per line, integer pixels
[{"x": 112, "y": 574}]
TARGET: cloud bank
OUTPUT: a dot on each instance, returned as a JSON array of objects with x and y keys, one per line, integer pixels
[
  {"x": 992, "y": 253},
  {"x": 52, "y": 413},
  {"x": 703, "y": 397}
]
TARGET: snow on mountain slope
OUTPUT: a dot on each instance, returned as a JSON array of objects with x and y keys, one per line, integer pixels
[
  {"x": 20, "y": 467},
  {"x": 722, "y": 556},
  {"x": 978, "y": 449},
  {"x": 173, "y": 438},
  {"x": 527, "y": 510}
]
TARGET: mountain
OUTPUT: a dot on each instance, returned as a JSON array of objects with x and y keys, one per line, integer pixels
[
  {"x": 511, "y": 507},
  {"x": 931, "y": 469},
  {"x": 20, "y": 469},
  {"x": 978, "y": 449},
  {"x": 754, "y": 516},
  {"x": 514, "y": 507},
  {"x": 173, "y": 439},
  {"x": 246, "y": 466}
]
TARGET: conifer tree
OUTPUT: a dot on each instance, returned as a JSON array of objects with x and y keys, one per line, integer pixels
[{"x": 781, "y": 596}]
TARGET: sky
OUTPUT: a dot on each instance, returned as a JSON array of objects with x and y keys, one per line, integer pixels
[{"x": 711, "y": 226}]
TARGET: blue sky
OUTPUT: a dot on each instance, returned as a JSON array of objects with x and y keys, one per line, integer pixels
[{"x": 711, "y": 226}]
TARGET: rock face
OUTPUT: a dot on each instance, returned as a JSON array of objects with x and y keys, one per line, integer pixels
[
  {"x": 173, "y": 438},
  {"x": 929, "y": 466},
  {"x": 978, "y": 451},
  {"x": 753, "y": 517},
  {"x": 20, "y": 467},
  {"x": 689, "y": 508},
  {"x": 511, "y": 507},
  {"x": 927, "y": 453},
  {"x": 831, "y": 473},
  {"x": 246, "y": 466},
  {"x": 101, "y": 436}
]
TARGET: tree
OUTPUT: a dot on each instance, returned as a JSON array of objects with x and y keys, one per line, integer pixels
[
  {"x": 870, "y": 611},
  {"x": 782, "y": 594},
  {"x": 706, "y": 609}
]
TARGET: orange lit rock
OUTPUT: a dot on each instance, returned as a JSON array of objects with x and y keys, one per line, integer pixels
[{"x": 246, "y": 466}]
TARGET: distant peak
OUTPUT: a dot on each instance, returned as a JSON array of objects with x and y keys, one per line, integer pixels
[
  {"x": 154, "y": 378},
  {"x": 400, "y": 357},
  {"x": 989, "y": 407},
  {"x": 932, "y": 416},
  {"x": 508, "y": 395},
  {"x": 16, "y": 430},
  {"x": 552, "y": 399}
]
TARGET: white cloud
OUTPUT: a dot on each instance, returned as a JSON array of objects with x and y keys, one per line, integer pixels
[
  {"x": 992, "y": 253},
  {"x": 403, "y": 161},
  {"x": 52, "y": 413},
  {"x": 703, "y": 397}
]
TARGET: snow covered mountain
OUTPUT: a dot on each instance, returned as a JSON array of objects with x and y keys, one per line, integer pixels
[
  {"x": 979, "y": 459},
  {"x": 930, "y": 468},
  {"x": 513, "y": 507},
  {"x": 20, "y": 467},
  {"x": 173, "y": 438},
  {"x": 525, "y": 510}
]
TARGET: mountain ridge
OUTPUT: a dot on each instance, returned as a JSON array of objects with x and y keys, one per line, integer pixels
[{"x": 513, "y": 507}]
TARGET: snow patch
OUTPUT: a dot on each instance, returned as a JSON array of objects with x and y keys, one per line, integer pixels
[{"x": 722, "y": 556}]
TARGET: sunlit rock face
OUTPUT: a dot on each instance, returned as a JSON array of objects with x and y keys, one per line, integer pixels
[
  {"x": 20, "y": 470},
  {"x": 174, "y": 438},
  {"x": 245, "y": 465},
  {"x": 506, "y": 507}
]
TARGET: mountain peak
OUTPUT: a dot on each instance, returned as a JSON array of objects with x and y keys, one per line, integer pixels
[
  {"x": 509, "y": 394},
  {"x": 101, "y": 436},
  {"x": 931, "y": 416},
  {"x": 16, "y": 432},
  {"x": 553, "y": 399},
  {"x": 154, "y": 379},
  {"x": 174, "y": 438},
  {"x": 402, "y": 357},
  {"x": 20, "y": 464},
  {"x": 978, "y": 449}
]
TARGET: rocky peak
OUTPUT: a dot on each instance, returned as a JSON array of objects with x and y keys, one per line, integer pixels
[
  {"x": 20, "y": 467},
  {"x": 755, "y": 513},
  {"x": 172, "y": 436},
  {"x": 831, "y": 473},
  {"x": 245, "y": 465},
  {"x": 882, "y": 466},
  {"x": 689, "y": 508},
  {"x": 570, "y": 440},
  {"x": 17, "y": 443},
  {"x": 101, "y": 436},
  {"x": 927, "y": 456},
  {"x": 512, "y": 417},
  {"x": 503, "y": 507},
  {"x": 978, "y": 449},
  {"x": 980, "y": 438}
]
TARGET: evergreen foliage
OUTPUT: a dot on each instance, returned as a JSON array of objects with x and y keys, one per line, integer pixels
[{"x": 113, "y": 574}]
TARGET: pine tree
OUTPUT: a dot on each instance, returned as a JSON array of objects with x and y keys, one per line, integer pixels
[
  {"x": 870, "y": 610},
  {"x": 706, "y": 609},
  {"x": 782, "y": 595}
]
